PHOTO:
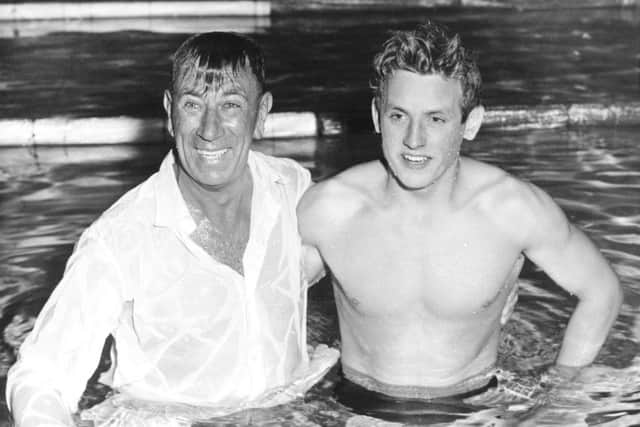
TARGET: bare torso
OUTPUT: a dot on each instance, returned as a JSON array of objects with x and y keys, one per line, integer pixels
[
  {"x": 224, "y": 242},
  {"x": 420, "y": 292},
  {"x": 222, "y": 221}
]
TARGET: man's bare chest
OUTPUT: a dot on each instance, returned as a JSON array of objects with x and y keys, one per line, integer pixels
[
  {"x": 447, "y": 271},
  {"x": 224, "y": 246}
]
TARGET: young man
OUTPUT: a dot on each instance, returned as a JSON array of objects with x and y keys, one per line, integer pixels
[
  {"x": 195, "y": 272},
  {"x": 425, "y": 246}
]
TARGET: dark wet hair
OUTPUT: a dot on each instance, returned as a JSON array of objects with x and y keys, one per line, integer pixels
[
  {"x": 210, "y": 56},
  {"x": 429, "y": 49}
]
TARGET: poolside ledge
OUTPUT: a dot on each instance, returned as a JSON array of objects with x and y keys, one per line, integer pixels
[
  {"x": 289, "y": 125},
  {"x": 554, "y": 116},
  {"x": 92, "y": 9},
  {"x": 18, "y": 11},
  {"x": 132, "y": 130}
]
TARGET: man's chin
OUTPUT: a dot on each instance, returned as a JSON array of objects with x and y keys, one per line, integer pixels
[
  {"x": 205, "y": 178},
  {"x": 413, "y": 184}
]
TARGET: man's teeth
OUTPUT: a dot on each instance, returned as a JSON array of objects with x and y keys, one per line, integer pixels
[
  {"x": 212, "y": 155},
  {"x": 417, "y": 159}
]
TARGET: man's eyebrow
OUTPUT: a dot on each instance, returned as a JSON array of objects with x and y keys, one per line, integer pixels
[
  {"x": 193, "y": 92},
  {"x": 200, "y": 92},
  {"x": 444, "y": 111},
  {"x": 392, "y": 106},
  {"x": 197, "y": 90},
  {"x": 234, "y": 91}
]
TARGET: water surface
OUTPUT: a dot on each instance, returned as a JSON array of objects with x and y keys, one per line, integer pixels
[{"x": 51, "y": 194}]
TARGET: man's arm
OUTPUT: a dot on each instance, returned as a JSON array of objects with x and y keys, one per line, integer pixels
[
  {"x": 312, "y": 265},
  {"x": 567, "y": 255},
  {"x": 62, "y": 351},
  {"x": 310, "y": 226}
]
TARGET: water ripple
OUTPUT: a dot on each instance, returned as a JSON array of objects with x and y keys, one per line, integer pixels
[{"x": 592, "y": 174}]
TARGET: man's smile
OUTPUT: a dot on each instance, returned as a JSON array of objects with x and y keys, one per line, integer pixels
[
  {"x": 212, "y": 156},
  {"x": 416, "y": 160}
]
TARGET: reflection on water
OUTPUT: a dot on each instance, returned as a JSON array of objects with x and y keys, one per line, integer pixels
[
  {"x": 59, "y": 68},
  {"x": 48, "y": 197}
]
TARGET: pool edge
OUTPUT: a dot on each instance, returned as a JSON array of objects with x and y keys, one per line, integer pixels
[{"x": 62, "y": 130}]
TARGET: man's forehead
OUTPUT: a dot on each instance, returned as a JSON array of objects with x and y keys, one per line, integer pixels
[
  {"x": 441, "y": 89},
  {"x": 430, "y": 79},
  {"x": 201, "y": 80}
]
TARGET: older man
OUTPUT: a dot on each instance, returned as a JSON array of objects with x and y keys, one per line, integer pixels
[{"x": 195, "y": 272}]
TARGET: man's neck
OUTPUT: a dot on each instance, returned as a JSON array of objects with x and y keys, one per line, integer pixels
[
  {"x": 222, "y": 217},
  {"x": 224, "y": 204},
  {"x": 439, "y": 193}
]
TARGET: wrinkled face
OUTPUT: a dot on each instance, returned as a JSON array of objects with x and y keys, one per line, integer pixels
[
  {"x": 213, "y": 126},
  {"x": 420, "y": 119}
]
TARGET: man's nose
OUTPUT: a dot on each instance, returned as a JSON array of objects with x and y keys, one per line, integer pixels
[
  {"x": 415, "y": 136},
  {"x": 210, "y": 125}
]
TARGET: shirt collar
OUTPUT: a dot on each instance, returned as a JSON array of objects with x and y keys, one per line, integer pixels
[
  {"x": 264, "y": 171},
  {"x": 170, "y": 206}
]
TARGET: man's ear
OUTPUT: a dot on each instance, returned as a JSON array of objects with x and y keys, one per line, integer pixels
[
  {"x": 473, "y": 123},
  {"x": 375, "y": 115},
  {"x": 167, "y": 100},
  {"x": 264, "y": 107}
]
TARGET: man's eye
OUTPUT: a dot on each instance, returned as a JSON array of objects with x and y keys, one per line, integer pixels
[
  {"x": 231, "y": 105},
  {"x": 395, "y": 116},
  {"x": 191, "y": 106},
  {"x": 438, "y": 119}
]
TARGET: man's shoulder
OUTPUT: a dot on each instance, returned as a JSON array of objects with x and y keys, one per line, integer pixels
[
  {"x": 364, "y": 177},
  {"x": 484, "y": 182},
  {"x": 509, "y": 200},
  {"x": 289, "y": 169},
  {"x": 127, "y": 213},
  {"x": 355, "y": 183},
  {"x": 343, "y": 194}
]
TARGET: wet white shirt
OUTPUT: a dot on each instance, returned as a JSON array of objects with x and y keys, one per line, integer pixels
[{"x": 187, "y": 328}]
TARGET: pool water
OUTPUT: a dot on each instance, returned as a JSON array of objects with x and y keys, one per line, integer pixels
[
  {"x": 51, "y": 194},
  {"x": 320, "y": 63}
]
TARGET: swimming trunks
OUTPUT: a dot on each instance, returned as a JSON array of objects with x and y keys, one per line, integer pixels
[
  {"x": 365, "y": 395},
  {"x": 475, "y": 382}
]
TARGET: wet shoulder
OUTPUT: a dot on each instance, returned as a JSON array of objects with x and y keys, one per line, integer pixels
[
  {"x": 480, "y": 181},
  {"x": 130, "y": 215},
  {"x": 509, "y": 201},
  {"x": 135, "y": 204},
  {"x": 338, "y": 198},
  {"x": 350, "y": 188},
  {"x": 294, "y": 175},
  {"x": 281, "y": 165}
]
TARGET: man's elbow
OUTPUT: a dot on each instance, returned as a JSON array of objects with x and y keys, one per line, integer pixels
[
  {"x": 614, "y": 294},
  {"x": 617, "y": 298},
  {"x": 32, "y": 389},
  {"x": 607, "y": 297}
]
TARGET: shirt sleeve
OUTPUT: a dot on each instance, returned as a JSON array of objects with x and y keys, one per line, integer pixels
[
  {"x": 63, "y": 349},
  {"x": 303, "y": 181}
]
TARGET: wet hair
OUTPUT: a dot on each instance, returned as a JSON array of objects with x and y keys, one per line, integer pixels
[
  {"x": 429, "y": 49},
  {"x": 210, "y": 57}
]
